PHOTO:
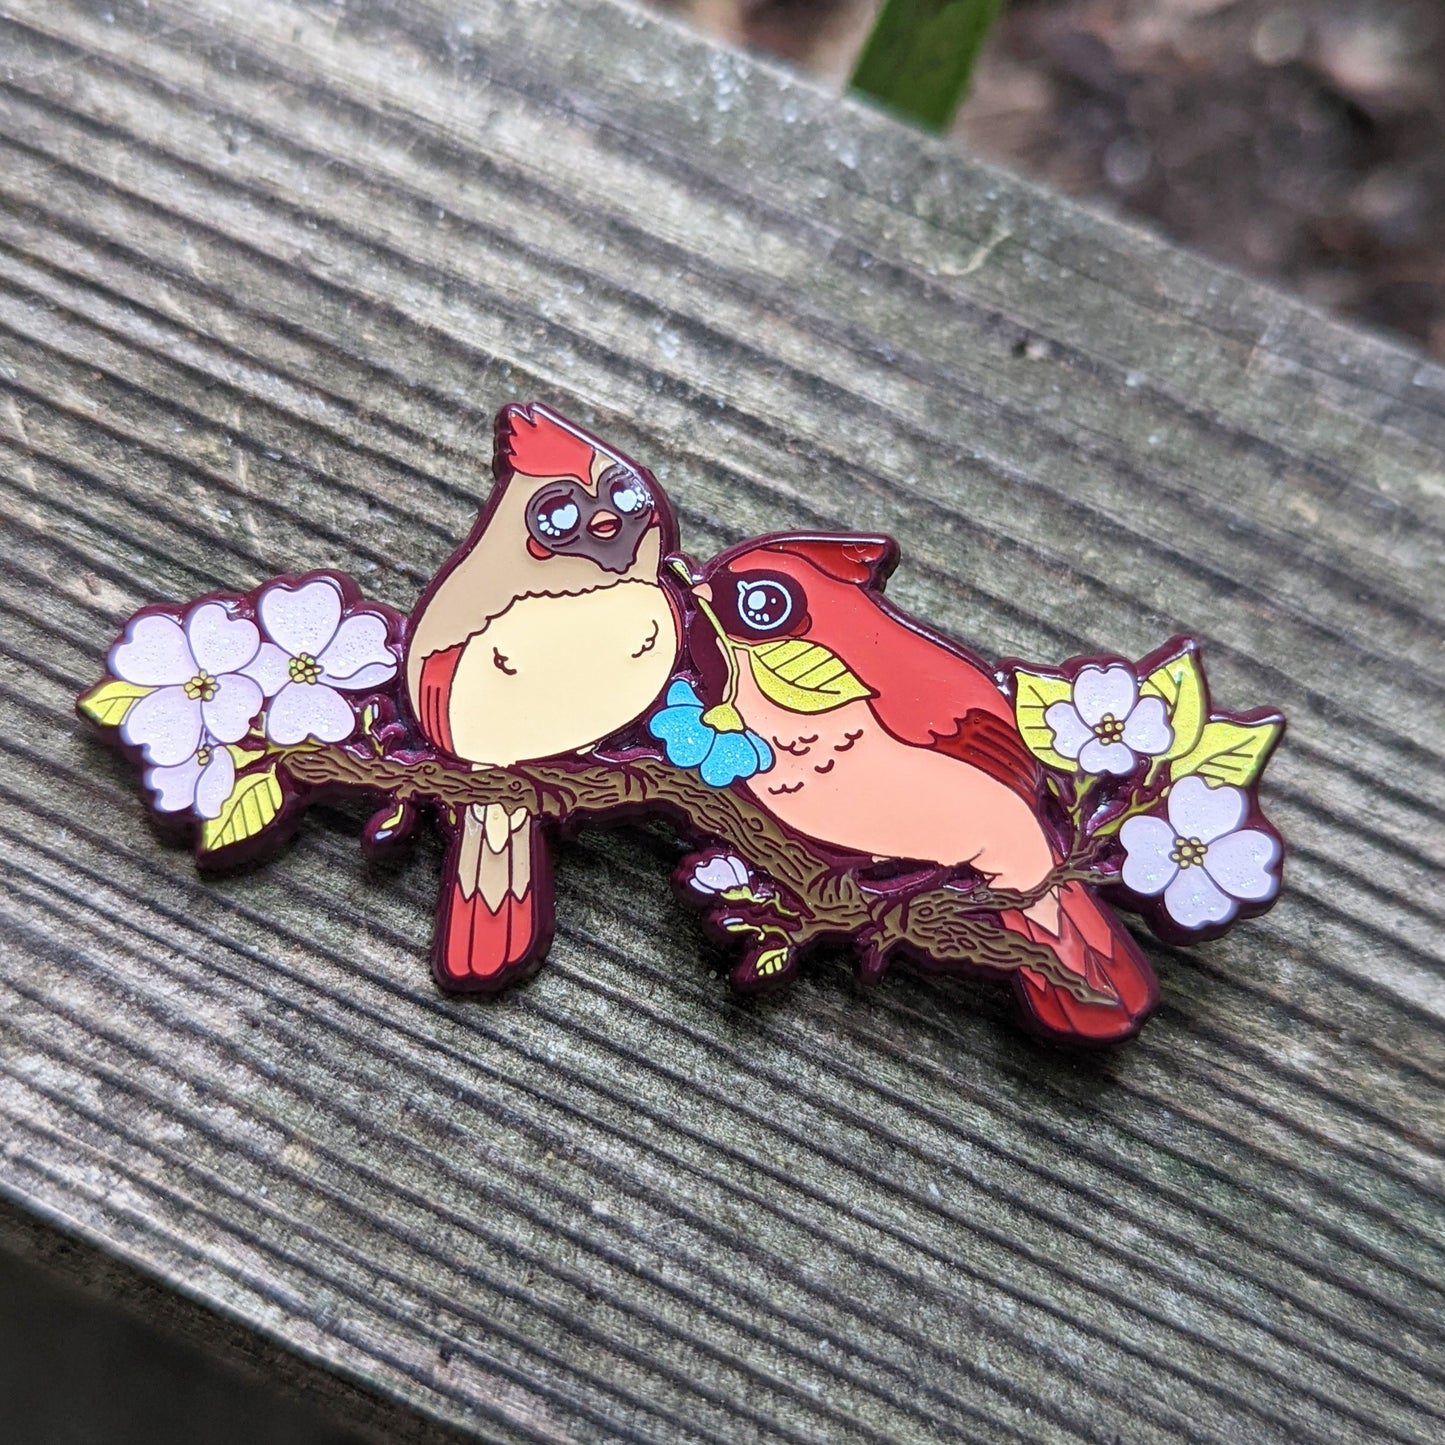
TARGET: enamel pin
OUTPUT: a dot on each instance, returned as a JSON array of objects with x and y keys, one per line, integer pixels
[{"x": 843, "y": 773}]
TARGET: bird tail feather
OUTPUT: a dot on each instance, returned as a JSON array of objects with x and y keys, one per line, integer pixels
[
  {"x": 1094, "y": 945},
  {"x": 494, "y": 923}
]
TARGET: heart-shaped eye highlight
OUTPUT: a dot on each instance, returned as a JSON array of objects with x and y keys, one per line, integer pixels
[
  {"x": 630, "y": 498},
  {"x": 558, "y": 520}
]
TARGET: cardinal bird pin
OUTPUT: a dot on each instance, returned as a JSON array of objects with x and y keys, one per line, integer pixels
[
  {"x": 840, "y": 773},
  {"x": 550, "y": 629}
]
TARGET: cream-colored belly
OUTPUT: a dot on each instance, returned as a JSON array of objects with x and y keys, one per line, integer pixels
[{"x": 555, "y": 674}]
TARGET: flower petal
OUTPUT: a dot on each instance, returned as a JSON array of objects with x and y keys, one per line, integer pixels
[
  {"x": 153, "y": 653},
  {"x": 684, "y": 736},
  {"x": 374, "y": 674},
  {"x": 1099, "y": 757},
  {"x": 309, "y": 709},
  {"x": 1071, "y": 732},
  {"x": 1194, "y": 901},
  {"x": 219, "y": 642},
  {"x": 174, "y": 788},
  {"x": 1100, "y": 690},
  {"x": 710, "y": 878},
  {"x": 1199, "y": 811},
  {"x": 718, "y": 873},
  {"x": 270, "y": 667},
  {"x": 1147, "y": 729},
  {"x": 165, "y": 724},
  {"x": 216, "y": 783},
  {"x": 357, "y": 656},
  {"x": 763, "y": 751},
  {"x": 683, "y": 694},
  {"x": 732, "y": 756},
  {"x": 229, "y": 714},
  {"x": 1148, "y": 868},
  {"x": 301, "y": 619},
  {"x": 1241, "y": 862}
]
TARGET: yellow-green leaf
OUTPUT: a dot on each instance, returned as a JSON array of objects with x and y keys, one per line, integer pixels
[
  {"x": 803, "y": 676},
  {"x": 771, "y": 961},
  {"x": 1228, "y": 752},
  {"x": 1034, "y": 694},
  {"x": 254, "y": 802},
  {"x": 1179, "y": 683},
  {"x": 108, "y": 702}
]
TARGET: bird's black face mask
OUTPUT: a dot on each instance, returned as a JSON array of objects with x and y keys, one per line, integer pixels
[{"x": 565, "y": 519}]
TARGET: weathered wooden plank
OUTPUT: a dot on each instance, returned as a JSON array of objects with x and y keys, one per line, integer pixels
[{"x": 265, "y": 273}]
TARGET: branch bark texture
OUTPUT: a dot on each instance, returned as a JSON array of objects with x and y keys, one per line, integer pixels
[{"x": 954, "y": 928}]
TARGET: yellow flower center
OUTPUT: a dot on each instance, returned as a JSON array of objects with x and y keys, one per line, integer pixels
[
  {"x": 304, "y": 668},
  {"x": 1109, "y": 729},
  {"x": 201, "y": 688},
  {"x": 1187, "y": 852},
  {"x": 203, "y": 757}
]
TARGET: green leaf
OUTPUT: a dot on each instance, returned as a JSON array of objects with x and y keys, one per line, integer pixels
[
  {"x": 771, "y": 961},
  {"x": 1034, "y": 694},
  {"x": 1228, "y": 752},
  {"x": 253, "y": 805},
  {"x": 108, "y": 702},
  {"x": 920, "y": 54},
  {"x": 803, "y": 676},
  {"x": 1180, "y": 684}
]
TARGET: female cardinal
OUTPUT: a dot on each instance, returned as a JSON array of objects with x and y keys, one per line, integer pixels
[
  {"x": 549, "y": 629},
  {"x": 895, "y": 745}
]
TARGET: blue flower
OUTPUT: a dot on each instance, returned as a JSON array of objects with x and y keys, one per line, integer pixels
[{"x": 721, "y": 755}]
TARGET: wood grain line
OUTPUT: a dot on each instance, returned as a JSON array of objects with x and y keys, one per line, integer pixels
[{"x": 266, "y": 270}]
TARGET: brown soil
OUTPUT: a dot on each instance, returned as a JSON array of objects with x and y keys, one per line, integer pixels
[{"x": 1300, "y": 140}]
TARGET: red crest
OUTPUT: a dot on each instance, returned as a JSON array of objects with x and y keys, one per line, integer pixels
[{"x": 533, "y": 441}]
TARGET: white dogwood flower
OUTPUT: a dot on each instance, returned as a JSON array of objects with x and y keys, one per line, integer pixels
[
  {"x": 197, "y": 672},
  {"x": 1199, "y": 858},
  {"x": 312, "y": 655},
  {"x": 722, "y": 873},
  {"x": 201, "y": 783},
  {"x": 1106, "y": 726}
]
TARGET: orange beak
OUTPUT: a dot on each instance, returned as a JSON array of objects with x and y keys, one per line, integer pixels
[{"x": 604, "y": 524}]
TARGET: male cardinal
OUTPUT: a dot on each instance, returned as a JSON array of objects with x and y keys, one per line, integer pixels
[
  {"x": 548, "y": 630},
  {"x": 892, "y": 744}
]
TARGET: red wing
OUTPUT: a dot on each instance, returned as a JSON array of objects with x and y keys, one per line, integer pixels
[
  {"x": 993, "y": 746},
  {"x": 926, "y": 691},
  {"x": 922, "y": 686},
  {"x": 433, "y": 704},
  {"x": 934, "y": 695}
]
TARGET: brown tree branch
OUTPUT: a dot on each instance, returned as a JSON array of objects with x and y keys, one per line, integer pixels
[{"x": 951, "y": 927}]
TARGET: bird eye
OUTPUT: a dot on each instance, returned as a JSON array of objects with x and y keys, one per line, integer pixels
[
  {"x": 558, "y": 519},
  {"x": 763, "y": 604},
  {"x": 631, "y": 496}
]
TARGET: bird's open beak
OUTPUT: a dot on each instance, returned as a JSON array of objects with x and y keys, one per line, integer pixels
[{"x": 605, "y": 525}]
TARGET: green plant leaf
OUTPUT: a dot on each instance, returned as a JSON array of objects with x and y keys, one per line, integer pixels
[
  {"x": 1180, "y": 684},
  {"x": 803, "y": 676},
  {"x": 772, "y": 961},
  {"x": 1228, "y": 752},
  {"x": 108, "y": 702},
  {"x": 1034, "y": 694},
  {"x": 920, "y": 54},
  {"x": 253, "y": 805}
]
